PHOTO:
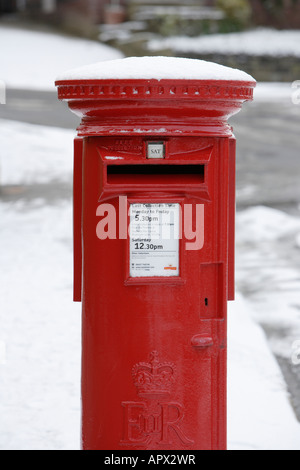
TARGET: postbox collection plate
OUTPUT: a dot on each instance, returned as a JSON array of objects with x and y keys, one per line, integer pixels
[{"x": 154, "y": 240}]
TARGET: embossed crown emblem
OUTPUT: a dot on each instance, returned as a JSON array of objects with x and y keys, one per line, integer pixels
[{"x": 153, "y": 379}]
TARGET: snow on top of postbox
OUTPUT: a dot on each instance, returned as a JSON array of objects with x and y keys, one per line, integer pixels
[{"x": 157, "y": 68}]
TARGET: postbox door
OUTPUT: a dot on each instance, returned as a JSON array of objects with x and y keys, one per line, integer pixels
[{"x": 154, "y": 348}]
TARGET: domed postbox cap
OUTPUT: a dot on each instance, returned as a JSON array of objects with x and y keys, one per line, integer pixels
[{"x": 155, "y": 96}]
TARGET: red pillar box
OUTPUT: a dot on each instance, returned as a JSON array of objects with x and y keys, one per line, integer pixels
[{"x": 154, "y": 209}]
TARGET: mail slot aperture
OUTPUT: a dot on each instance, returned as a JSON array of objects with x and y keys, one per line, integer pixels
[{"x": 151, "y": 174}]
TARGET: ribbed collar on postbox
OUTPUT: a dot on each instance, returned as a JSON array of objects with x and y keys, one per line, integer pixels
[{"x": 155, "y": 96}]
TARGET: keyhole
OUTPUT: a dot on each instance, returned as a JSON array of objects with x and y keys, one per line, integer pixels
[{"x": 206, "y": 301}]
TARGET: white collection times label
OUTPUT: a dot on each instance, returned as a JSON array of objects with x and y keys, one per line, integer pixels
[{"x": 154, "y": 240}]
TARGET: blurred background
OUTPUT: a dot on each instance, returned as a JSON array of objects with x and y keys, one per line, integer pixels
[{"x": 40, "y": 326}]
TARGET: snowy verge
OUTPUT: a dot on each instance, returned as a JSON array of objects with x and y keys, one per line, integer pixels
[
  {"x": 39, "y": 155},
  {"x": 259, "y": 413},
  {"x": 40, "y": 327},
  {"x": 32, "y": 60},
  {"x": 267, "y": 266},
  {"x": 274, "y": 92},
  {"x": 258, "y": 42}
]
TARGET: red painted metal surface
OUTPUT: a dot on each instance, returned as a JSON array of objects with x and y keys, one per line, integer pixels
[
  {"x": 232, "y": 206},
  {"x": 154, "y": 349},
  {"x": 77, "y": 217},
  {"x": 165, "y": 107}
]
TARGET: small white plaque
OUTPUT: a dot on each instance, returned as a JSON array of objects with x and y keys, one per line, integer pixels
[
  {"x": 2, "y": 92},
  {"x": 156, "y": 150}
]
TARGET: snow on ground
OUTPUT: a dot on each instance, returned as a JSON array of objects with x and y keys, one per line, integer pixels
[
  {"x": 268, "y": 258},
  {"x": 32, "y": 60},
  {"x": 40, "y": 328},
  {"x": 266, "y": 92},
  {"x": 261, "y": 41},
  {"x": 30, "y": 160},
  {"x": 40, "y": 325},
  {"x": 259, "y": 412}
]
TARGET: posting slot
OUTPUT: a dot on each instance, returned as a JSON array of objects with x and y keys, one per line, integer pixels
[{"x": 155, "y": 174}]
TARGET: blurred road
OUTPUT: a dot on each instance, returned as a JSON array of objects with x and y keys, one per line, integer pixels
[
  {"x": 268, "y": 155},
  {"x": 37, "y": 107},
  {"x": 267, "y": 171}
]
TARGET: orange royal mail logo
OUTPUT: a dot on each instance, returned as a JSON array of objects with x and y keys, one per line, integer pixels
[{"x": 155, "y": 420}]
